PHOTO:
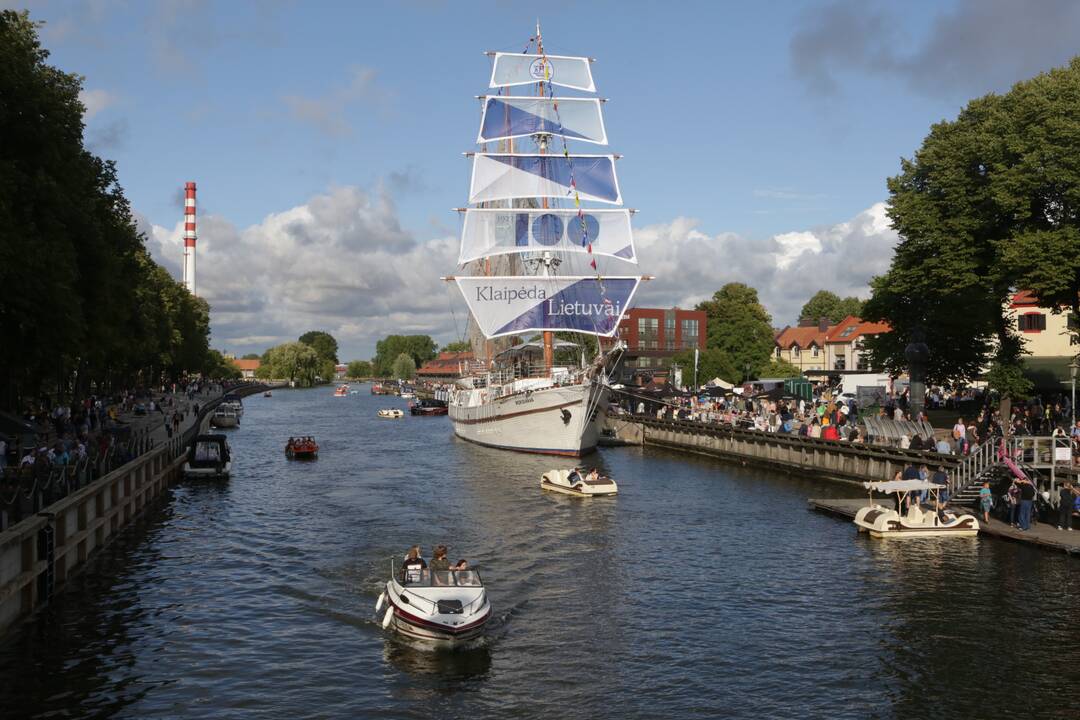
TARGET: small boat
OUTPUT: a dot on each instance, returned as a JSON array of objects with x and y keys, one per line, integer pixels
[
  {"x": 446, "y": 608},
  {"x": 234, "y": 403},
  {"x": 883, "y": 522},
  {"x": 408, "y": 396},
  {"x": 577, "y": 483},
  {"x": 302, "y": 448},
  {"x": 392, "y": 413},
  {"x": 268, "y": 394},
  {"x": 428, "y": 407},
  {"x": 342, "y": 391},
  {"x": 208, "y": 457},
  {"x": 224, "y": 417}
]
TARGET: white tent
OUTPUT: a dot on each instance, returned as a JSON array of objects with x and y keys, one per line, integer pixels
[{"x": 717, "y": 382}]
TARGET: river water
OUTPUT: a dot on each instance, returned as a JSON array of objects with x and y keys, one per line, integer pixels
[{"x": 701, "y": 590}]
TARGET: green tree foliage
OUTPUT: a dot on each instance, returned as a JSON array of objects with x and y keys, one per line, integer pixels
[
  {"x": 359, "y": 369},
  {"x": 459, "y": 346},
  {"x": 404, "y": 367},
  {"x": 324, "y": 344},
  {"x": 420, "y": 348},
  {"x": 293, "y": 361},
  {"x": 712, "y": 363},
  {"x": 778, "y": 368},
  {"x": 251, "y": 356},
  {"x": 990, "y": 203},
  {"x": 218, "y": 368},
  {"x": 827, "y": 304},
  {"x": 80, "y": 299},
  {"x": 739, "y": 325}
]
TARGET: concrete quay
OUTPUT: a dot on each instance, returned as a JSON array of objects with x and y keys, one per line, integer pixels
[{"x": 41, "y": 552}]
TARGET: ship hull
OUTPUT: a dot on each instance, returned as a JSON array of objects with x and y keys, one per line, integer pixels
[{"x": 549, "y": 421}]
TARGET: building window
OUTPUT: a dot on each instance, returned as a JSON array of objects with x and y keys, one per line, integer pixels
[
  {"x": 794, "y": 351},
  {"x": 1032, "y": 322},
  {"x": 669, "y": 343},
  {"x": 862, "y": 363},
  {"x": 689, "y": 333},
  {"x": 813, "y": 350},
  {"x": 778, "y": 351},
  {"x": 840, "y": 364}
]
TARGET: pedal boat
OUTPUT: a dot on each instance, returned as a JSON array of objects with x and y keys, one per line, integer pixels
[
  {"x": 391, "y": 413},
  {"x": 443, "y": 609},
  {"x": 341, "y": 391},
  {"x": 883, "y": 522},
  {"x": 560, "y": 481}
]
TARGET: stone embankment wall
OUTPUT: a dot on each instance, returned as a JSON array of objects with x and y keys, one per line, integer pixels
[
  {"x": 825, "y": 459},
  {"x": 39, "y": 554}
]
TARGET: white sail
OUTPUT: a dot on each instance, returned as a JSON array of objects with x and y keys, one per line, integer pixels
[
  {"x": 522, "y": 69},
  {"x": 513, "y": 117},
  {"x": 498, "y": 231},
  {"x": 506, "y": 176},
  {"x": 508, "y": 305}
]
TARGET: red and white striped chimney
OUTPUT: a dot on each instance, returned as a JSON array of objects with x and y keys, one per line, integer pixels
[{"x": 189, "y": 237}]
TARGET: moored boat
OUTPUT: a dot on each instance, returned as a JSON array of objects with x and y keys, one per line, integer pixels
[
  {"x": 341, "y": 391},
  {"x": 428, "y": 406},
  {"x": 224, "y": 417},
  {"x": 442, "y": 608},
  {"x": 268, "y": 394},
  {"x": 302, "y": 448},
  {"x": 914, "y": 521},
  {"x": 391, "y": 413},
  {"x": 208, "y": 457},
  {"x": 578, "y": 483}
]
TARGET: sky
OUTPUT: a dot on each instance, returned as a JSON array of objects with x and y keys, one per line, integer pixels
[{"x": 326, "y": 138}]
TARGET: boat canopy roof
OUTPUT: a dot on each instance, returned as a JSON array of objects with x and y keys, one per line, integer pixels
[
  {"x": 891, "y": 486},
  {"x": 529, "y": 348}
]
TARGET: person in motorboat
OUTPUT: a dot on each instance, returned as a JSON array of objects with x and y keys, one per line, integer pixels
[
  {"x": 439, "y": 565},
  {"x": 412, "y": 570},
  {"x": 574, "y": 477},
  {"x": 593, "y": 476},
  {"x": 463, "y": 574}
]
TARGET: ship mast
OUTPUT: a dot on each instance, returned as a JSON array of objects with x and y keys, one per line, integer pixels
[{"x": 542, "y": 141}]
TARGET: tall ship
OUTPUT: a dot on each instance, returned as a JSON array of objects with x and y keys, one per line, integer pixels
[{"x": 542, "y": 216}]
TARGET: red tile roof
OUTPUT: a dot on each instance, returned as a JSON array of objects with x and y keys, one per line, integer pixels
[
  {"x": 247, "y": 364},
  {"x": 447, "y": 363},
  {"x": 804, "y": 337},
  {"x": 852, "y": 327}
]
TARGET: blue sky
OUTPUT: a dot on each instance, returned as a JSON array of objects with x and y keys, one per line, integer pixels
[{"x": 741, "y": 123}]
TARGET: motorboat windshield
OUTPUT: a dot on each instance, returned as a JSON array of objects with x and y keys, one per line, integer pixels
[{"x": 427, "y": 578}]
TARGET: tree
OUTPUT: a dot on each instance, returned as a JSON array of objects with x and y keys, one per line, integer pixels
[
  {"x": 827, "y": 304},
  {"x": 458, "y": 346},
  {"x": 989, "y": 204},
  {"x": 250, "y": 356},
  {"x": 739, "y": 325},
  {"x": 359, "y": 369},
  {"x": 404, "y": 368},
  {"x": 712, "y": 363},
  {"x": 295, "y": 361},
  {"x": 323, "y": 343},
  {"x": 779, "y": 368},
  {"x": 420, "y": 348}
]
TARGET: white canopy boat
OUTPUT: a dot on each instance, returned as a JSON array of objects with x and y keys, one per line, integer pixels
[
  {"x": 446, "y": 608},
  {"x": 391, "y": 413},
  {"x": 208, "y": 456},
  {"x": 574, "y": 482},
  {"x": 882, "y": 522}
]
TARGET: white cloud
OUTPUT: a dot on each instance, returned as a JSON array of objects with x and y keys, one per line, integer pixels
[
  {"x": 328, "y": 112},
  {"x": 786, "y": 269},
  {"x": 342, "y": 263},
  {"x": 95, "y": 101}
]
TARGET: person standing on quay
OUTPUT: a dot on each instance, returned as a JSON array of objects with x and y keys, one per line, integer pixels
[
  {"x": 1027, "y": 497},
  {"x": 1066, "y": 502},
  {"x": 986, "y": 501}
]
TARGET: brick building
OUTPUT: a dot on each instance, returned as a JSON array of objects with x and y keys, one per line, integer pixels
[{"x": 653, "y": 336}]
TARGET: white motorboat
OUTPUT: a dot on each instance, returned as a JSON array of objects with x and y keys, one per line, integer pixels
[
  {"x": 224, "y": 417},
  {"x": 208, "y": 457},
  {"x": 445, "y": 608},
  {"x": 575, "y": 482},
  {"x": 391, "y": 413},
  {"x": 883, "y": 522},
  {"x": 234, "y": 403},
  {"x": 408, "y": 396}
]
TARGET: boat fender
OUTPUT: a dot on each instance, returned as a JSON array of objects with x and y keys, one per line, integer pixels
[
  {"x": 380, "y": 601},
  {"x": 388, "y": 617},
  {"x": 566, "y": 416}
]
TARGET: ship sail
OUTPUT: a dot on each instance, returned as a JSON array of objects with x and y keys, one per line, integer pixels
[
  {"x": 513, "y": 176},
  {"x": 511, "y": 69},
  {"x": 500, "y": 231},
  {"x": 513, "y": 117},
  {"x": 508, "y": 305}
]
